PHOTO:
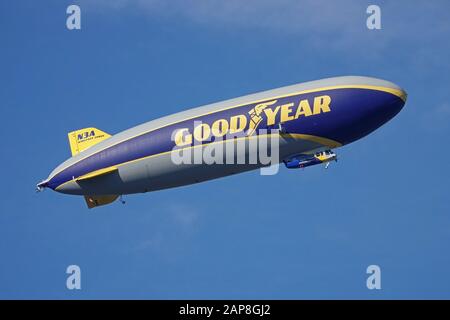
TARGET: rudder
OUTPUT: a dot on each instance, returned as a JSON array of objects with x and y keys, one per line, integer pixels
[
  {"x": 96, "y": 201},
  {"x": 83, "y": 139}
]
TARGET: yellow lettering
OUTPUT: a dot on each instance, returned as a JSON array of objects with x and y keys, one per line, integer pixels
[
  {"x": 202, "y": 132},
  {"x": 271, "y": 114},
  {"x": 322, "y": 104},
  {"x": 238, "y": 123},
  {"x": 303, "y": 109},
  {"x": 286, "y": 110},
  {"x": 219, "y": 128},
  {"x": 182, "y": 137}
]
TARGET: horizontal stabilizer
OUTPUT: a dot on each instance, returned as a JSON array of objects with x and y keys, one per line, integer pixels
[
  {"x": 97, "y": 173},
  {"x": 96, "y": 201},
  {"x": 83, "y": 139}
]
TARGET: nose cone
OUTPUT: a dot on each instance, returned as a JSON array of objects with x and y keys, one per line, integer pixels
[
  {"x": 387, "y": 105},
  {"x": 363, "y": 111}
]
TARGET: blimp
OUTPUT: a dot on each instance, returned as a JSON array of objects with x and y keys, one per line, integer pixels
[{"x": 301, "y": 124}]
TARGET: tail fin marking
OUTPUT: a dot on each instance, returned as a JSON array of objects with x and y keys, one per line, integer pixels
[{"x": 83, "y": 139}]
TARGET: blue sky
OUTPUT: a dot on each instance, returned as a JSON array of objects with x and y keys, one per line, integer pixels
[{"x": 296, "y": 235}]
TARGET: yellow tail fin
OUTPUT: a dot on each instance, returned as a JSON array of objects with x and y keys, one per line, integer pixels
[
  {"x": 82, "y": 139},
  {"x": 96, "y": 201}
]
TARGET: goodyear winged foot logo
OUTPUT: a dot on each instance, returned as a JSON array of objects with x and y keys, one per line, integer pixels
[
  {"x": 268, "y": 113},
  {"x": 255, "y": 116}
]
